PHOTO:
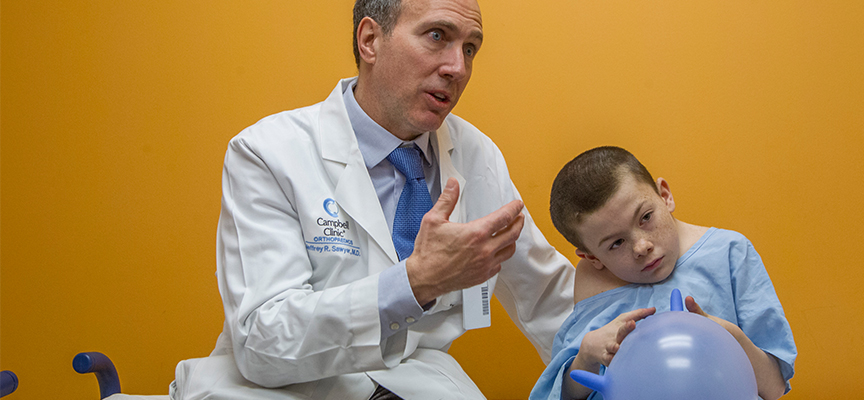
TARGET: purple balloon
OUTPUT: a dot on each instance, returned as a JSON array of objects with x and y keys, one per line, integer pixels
[{"x": 676, "y": 355}]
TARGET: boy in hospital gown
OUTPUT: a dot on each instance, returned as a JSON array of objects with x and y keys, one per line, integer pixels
[{"x": 634, "y": 254}]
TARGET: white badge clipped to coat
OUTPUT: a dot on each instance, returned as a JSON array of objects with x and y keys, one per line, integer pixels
[{"x": 475, "y": 307}]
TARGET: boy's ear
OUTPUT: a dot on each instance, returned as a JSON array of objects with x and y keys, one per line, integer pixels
[
  {"x": 368, "y": 33},
  {"x": 666, "y": 194},
  {"x": 590, "y": 258}
]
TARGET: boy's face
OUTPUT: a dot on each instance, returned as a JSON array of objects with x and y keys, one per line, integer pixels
[{"x": 633, "y": 234}]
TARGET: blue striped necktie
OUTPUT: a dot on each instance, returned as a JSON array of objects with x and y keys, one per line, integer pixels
[{"x": 414, "y": 201}]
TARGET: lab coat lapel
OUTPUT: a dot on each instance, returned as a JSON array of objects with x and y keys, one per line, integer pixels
[{"x": 344, "y": 164}]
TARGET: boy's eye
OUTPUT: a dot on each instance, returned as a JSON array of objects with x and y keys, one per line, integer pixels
[
  {"x": 616, "y": 244},
  {"x": 647, "y": 216}
]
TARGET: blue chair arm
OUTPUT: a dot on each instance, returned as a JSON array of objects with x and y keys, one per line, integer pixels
[
  {"x": 8, "y": 382},
  {"x": 101, "y": 365}
]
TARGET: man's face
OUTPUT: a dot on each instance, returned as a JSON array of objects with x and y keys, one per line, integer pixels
[
  {"x": 633, "y": 234},
  {"x": 422, "y": 67}
]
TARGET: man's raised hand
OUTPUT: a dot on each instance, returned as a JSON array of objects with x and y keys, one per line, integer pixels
[{"x": 450, "y": 256}]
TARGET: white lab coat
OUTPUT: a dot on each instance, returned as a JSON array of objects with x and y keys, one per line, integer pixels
[{"x": 300, "y": 314}]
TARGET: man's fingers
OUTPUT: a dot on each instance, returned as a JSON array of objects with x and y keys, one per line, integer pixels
[
  {"x": 505, "y": 253},
  {"x": 505, "y": 240},
  {"x": 447, "y": 200},
  {"x": 511, "y": 232},
  {"x": 502, "y": 218}
]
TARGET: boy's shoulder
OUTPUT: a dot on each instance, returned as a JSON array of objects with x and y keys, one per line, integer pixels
[
  {"x": 724, "y": 240},
  {"x": 590, "y": 281}
]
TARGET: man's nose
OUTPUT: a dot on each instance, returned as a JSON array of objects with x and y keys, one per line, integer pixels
[{"x": 453, "y": 66}]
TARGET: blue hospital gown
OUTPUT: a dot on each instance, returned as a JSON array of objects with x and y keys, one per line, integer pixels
[{"x": 722, "y": 272}]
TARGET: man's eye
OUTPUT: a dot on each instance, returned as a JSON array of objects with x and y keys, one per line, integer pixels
[
  {"x": 469, "y": 51},
  {"x": 436, "y": 36}
]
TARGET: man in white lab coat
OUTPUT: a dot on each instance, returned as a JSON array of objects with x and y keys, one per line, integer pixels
[{"x": 318, "y": 304}]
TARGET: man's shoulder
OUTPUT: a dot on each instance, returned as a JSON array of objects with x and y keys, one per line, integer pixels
[
  {"x": 293, "y": 119},
  {"x": 302, "y": 123},
  {"x": 460, "y": 129},
  {"x": 294, "y": 124},
  {"x": 469, "y": 140}
]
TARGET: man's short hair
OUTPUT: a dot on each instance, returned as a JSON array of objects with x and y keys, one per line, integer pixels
[
  {"x": 587, "y": 182},
  {"x": 384, "y": 12}
]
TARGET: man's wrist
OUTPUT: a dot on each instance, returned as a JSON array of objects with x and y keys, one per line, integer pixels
[{"x": 424, "y": 294}]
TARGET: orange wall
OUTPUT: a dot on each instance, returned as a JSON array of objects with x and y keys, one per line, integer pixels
[{"x": 116, "y": 115}]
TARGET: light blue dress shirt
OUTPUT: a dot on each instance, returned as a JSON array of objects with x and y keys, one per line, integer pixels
[{"x": 397, "y": 307}]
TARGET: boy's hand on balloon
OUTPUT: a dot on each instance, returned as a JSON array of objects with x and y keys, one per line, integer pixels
[
  {"x": 769, "y": 381},
  {"x": 599, "y": 346},
  {"x": 694, "y": 308}
]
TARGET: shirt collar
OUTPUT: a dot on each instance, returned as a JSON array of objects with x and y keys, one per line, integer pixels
[{"x": 374, "y": 141}]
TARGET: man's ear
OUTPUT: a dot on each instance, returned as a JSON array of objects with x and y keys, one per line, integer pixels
[
  {"x": 590, "y": 258},
  {"x": 368, "y": 33},
  {"x": 666, "y": 194}
]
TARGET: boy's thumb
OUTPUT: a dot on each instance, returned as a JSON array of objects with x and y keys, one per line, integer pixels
[{"x": 693, "y": 307}]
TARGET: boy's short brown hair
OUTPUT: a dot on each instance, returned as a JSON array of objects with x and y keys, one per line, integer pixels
[{"x": 587, "y": 182}]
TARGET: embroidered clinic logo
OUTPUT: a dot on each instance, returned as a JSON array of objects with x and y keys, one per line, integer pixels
[
  {"x": 335, "y": 236},
  {"x": 331, "y": 208}
]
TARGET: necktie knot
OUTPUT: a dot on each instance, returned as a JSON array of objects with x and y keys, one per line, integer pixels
[{"x": 407, "y": 161}]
